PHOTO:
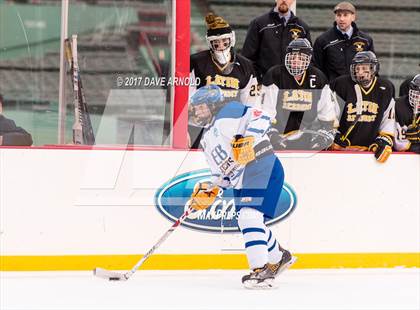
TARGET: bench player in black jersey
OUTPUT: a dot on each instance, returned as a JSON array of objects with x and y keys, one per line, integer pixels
[
  {"x": 407, "y": 110},
  {"x": 297, "y": 97},
  {"x": 367, "y": 108},
  {"x": 220, "y": 65}
]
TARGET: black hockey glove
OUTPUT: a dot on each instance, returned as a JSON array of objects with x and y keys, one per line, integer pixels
[
  {"x": 382, "y": 147},
  {"x": 323, "y": 139}
]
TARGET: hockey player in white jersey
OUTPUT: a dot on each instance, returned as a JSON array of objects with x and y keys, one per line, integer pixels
[{"x": 241, "y": 156}]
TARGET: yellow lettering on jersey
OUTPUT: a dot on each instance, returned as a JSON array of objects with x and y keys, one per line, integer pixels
[
  {"x": 367, "y": 106},
  {"x": 297, "y": 95},
  {"x": 367, "y": 118},
  {"x": 230, "y": 93},
  {"x": 372, "y": 107},
  {"x": 297, "y": 100},
  {"x": 297, "y": 106},
  {"x": 209, "y": 80},
  {"x": 223, "y": 81},
  {"x": 351, "y": 118}
]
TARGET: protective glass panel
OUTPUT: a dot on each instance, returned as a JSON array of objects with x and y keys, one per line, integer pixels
[
  {"x": 124, "y": 53},
  {"x": 29, "y": 66}
]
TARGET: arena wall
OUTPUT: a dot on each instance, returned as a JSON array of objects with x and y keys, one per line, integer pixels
[{"x": 76, "y": 209}]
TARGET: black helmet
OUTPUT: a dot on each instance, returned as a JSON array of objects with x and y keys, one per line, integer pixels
[
  {"x": 302, "y": 48},
  {"x": 364, "y": 58},
  {"x": 414, "y": 92}
]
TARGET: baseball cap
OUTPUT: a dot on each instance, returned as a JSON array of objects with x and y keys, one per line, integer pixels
[{"x": 345, "y": 6}]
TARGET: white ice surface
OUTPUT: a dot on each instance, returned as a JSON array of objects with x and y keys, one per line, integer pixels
[{"x": 395, "y": 289}]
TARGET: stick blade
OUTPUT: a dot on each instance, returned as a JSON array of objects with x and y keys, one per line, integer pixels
[{"x": 109, "y": 275}]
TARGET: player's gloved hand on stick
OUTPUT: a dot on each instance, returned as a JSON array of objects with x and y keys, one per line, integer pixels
[
  {"x": 204, "y": 194},
  {"x": 243, "y": 149},
  {"x": 413, "y": 132},
  {"x": 382, "y": 147},
  {"x": 340, "y": 142}
]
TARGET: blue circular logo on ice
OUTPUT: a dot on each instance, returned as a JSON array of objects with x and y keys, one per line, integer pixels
[{"x": 172, "y": 201}]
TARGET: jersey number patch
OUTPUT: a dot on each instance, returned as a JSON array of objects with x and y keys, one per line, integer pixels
[{"x": 218, "y": 154}]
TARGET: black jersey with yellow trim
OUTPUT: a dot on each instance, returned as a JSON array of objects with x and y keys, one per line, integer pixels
[
  {"x": 378, "y": 109},
  {"x": 240, "y": 79},
  {"x": 240, "y": 84},
  {"x": 292, "y": 102}
]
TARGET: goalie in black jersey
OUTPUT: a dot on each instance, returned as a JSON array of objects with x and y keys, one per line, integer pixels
[
  {"x": 220, "y": 65},
  {"x": 368, "y": 108},
  {"x": 407, "y": 110},
  {"x": 298, "y": 99}
]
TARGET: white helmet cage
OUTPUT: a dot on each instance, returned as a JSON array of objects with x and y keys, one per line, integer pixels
[
  {"x": 224, "y": 55},
  {"x": 297, "y": 62},
  {"x": 414, "y": 99},
  {"x": 414, "y": 93}
]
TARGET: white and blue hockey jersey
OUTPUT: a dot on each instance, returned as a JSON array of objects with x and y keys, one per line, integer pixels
[{"x": 233, "y": 119}]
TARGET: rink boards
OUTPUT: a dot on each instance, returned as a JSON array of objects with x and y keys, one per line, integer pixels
[{"x": 75, "y": 209}]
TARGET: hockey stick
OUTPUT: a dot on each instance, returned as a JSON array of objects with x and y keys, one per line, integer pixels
[
  {"x": 71, "y": 52},
  {"x": 296, "y": 135},
  {"x": 88, "y": 135},
  {"x": 82, "y": 127},
  {"x": 359, "y": 103},
  {"x": 116, "y": 276}
]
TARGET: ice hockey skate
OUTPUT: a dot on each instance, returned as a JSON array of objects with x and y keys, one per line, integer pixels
[
  {"x": 285, "y": 262},
  {"x": 259, "y": 278}
]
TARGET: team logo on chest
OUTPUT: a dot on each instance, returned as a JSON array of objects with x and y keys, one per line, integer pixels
[
  {"x": 297, "y": 100},
  {"x": 359, "y": 46},
  {"x": 229, "y": 85},
  {"x": 369, "y": 108}
]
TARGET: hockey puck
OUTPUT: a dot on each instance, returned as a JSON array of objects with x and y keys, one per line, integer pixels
[{"x": 114, "y": 279}]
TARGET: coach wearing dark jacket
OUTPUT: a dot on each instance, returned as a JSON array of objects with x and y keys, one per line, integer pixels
[
  {"x": 10, "y": 134},
  {"x": 269, "y": 35},
  {"x": 335, "y": 48}
]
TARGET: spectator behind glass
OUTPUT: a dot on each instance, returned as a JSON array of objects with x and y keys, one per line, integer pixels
[
  {"x": 269, "y": 35},
  {"x": 10, "y": 134},
  {"x": 335, "y": 48}
]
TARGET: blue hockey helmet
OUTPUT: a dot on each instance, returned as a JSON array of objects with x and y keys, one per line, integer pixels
[
  {"x": 204, "y": 104},
  {"x": 209, "y": 94}
]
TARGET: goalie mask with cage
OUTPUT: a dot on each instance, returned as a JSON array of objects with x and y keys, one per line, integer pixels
[
  {"x": 220, "y": 38},
  {"x": 298, "y": 56},
  {"x": 204, "y": 105},
  {"x": 364, "y": 66},
  {"x": 414, "y": 93}
]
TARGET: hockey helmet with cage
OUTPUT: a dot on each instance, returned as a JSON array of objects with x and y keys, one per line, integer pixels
[
  {"x": 364, "y": 58},
  {"x": 414, "y": 92},
  {"x": 204, "y": 104},
  {"x": 298, "y": 56},
  {"x": 220, "y": 38}
]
